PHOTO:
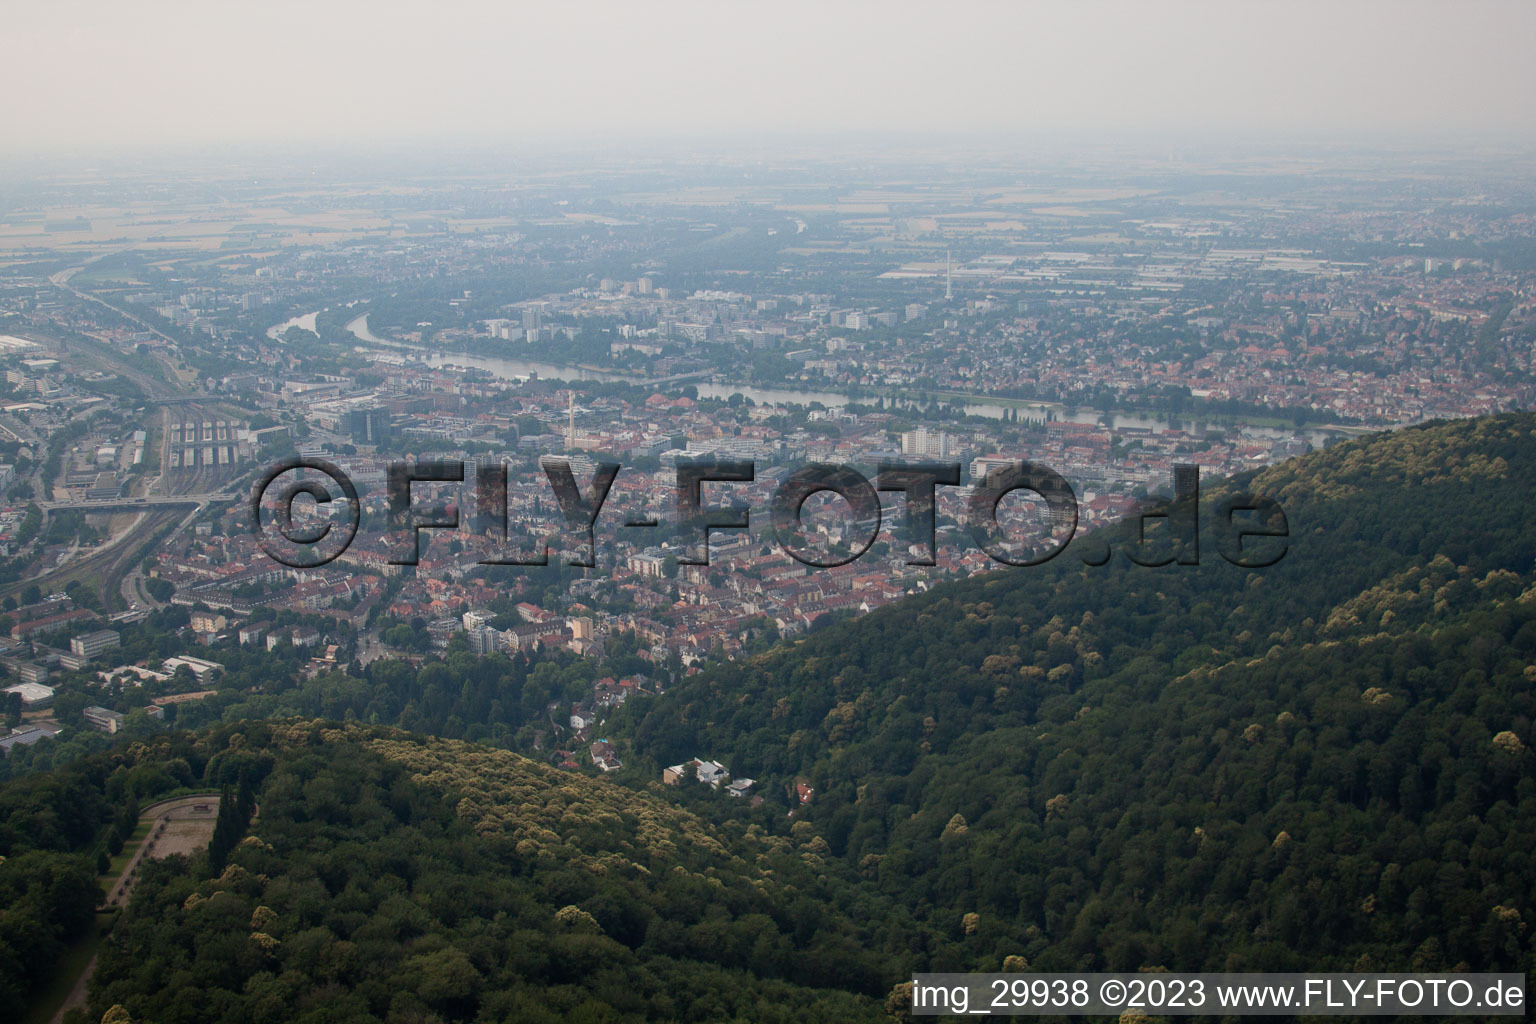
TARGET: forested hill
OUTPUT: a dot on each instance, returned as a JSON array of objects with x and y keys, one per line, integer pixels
[
  {"x": 1322, "y": 764},
  {"x": 404, "y": 878}
]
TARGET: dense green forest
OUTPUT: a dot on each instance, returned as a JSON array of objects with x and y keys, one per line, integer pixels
[
  {"x": 1323, "y": 764},
  {"x": 1320, "y": 765},
  {"x": 390, "y": 876}
]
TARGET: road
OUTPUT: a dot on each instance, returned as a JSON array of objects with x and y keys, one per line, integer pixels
[
  {"x": 102, "y": 567},
  {"x": 135, "y": 594},
  {"x": 132, "y": 504},
  {"x": 160, "y": 814},
  {"x": 61, "y": 280},
  {"x": 109, "y": 566}
]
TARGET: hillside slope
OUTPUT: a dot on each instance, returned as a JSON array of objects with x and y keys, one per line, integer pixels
[
  {"x": 403, "y": 878},
  {"x": 1324, "y": 764}
]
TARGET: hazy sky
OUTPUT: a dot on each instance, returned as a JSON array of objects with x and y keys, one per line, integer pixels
[{"x": 88, "y": 76}]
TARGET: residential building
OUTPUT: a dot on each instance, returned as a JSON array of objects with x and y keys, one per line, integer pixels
[
  {"x": 925, "y": 443},
  {"x": 103, "y": 719},
  {"x": 90, "y": 645},
  {"x": 208, "y": 622},
  {"x": 605, "y": 757}
]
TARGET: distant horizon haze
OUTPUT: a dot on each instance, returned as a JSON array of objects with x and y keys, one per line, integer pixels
[{"x": 87, "y": 79}]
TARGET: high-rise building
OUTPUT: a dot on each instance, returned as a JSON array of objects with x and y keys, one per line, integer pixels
[
  {"x": 533, "y": 320},
  {"x": 367, "y": 426},
  {"x": 1186, "y": 480},
  {"x": 925, "y": 443}
]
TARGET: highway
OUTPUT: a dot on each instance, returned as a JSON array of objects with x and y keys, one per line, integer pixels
[
  {"x": 112, "y": 566},
  {"x": 61, "y": 280}
]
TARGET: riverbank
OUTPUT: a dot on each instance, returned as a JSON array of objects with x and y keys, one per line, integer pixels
[{"x": 989, "y": 407}]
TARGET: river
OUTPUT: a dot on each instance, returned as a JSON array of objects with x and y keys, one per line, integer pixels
[
  {"x": 305, "y": 322},
  {"x": 522, "y": 369}
]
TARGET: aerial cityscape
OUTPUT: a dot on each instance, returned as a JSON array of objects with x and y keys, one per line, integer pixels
[
  {"x": 441, "y": 762},
  {"x": 1106, "y": 330}
]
